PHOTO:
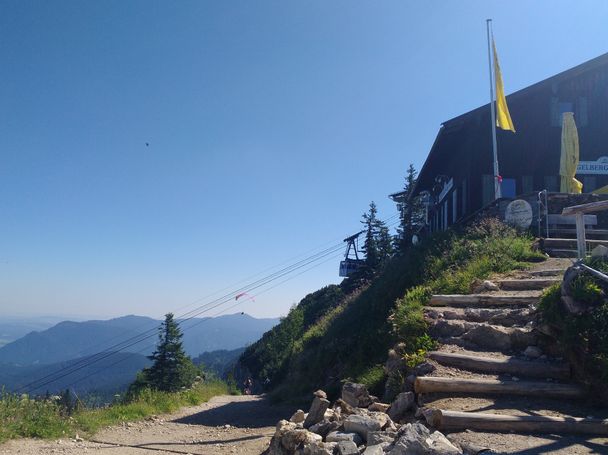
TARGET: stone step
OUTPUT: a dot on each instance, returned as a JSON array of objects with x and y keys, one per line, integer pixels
[
  {"x": 502, "y": 365},
  {"x": 571, "y": 243},
  {"x": 527, "y": 284},
  {"x": 431, "y": 384},
  {"x": 482, "y": 335},
  {"x": 547, "y": 272},
  {"x": 507, "y": 317},
  {"x": 484, "y": 300},
  {"x": 561, "y": 253},
  {"x": 482, "y": 421}
]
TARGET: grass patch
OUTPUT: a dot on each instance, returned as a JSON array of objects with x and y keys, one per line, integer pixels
[{"x": 22, "y": 417}]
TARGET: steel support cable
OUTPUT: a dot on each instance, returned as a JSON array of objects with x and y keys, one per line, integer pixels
[
  {"x": 60, "y": 374},
  {"x": 136, "y": 339},
  {"x": 202, "y": 321}
]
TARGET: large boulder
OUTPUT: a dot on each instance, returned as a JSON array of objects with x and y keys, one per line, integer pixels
[
  {"x": 361, "y": 425},
  {"x": 374, "y": 450},
  {"x": 356, "y": 395},
  {"x": 403, "y": 403},
  {"x": 299, "y": 437},
  {"x": 317, "y": 411},
  {"x": 298, "y": 417},
  {"x": 416, "y": 439}
]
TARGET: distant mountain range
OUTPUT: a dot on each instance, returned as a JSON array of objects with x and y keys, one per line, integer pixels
[
  {"x": 101, "y": 379},
  {"x": 71, "y": 340},
  {"x": 56, "y": 349},
  {"x": 12, "y": 328}
]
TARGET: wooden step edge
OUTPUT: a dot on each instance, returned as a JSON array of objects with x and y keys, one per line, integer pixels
[
  {"x": 548, "y": 272},
  {"x": 457, "y": 420},
  {"x": 481, "y": 300},
  {"x": 509, "y": 365},
  {"x": 430, "y": 384},
  {"x": 526, "y": 284}
]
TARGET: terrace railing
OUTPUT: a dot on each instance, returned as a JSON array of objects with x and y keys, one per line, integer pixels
[{"x": 579, "y": 211}]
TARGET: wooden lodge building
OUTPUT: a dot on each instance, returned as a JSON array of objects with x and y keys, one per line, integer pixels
[{"x": 457, "y": 178}]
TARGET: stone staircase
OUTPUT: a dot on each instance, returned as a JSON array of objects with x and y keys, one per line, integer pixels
[{"x": 490, "y": 374}]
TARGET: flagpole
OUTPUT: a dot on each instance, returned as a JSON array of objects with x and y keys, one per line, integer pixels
[{"x": 493, "y": 112}]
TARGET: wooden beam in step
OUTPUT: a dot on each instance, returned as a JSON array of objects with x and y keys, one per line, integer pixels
[
  {"x": 456, "y": 420},
  {"x": 428, "y": 384},
  {"x": 504, "y": 365}
]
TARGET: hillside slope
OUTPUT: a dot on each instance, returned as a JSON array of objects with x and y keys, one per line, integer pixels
[{"x": 352, "y": 330}]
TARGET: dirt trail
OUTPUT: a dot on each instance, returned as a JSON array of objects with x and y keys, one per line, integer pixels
[{"x": 224, "y": 425}]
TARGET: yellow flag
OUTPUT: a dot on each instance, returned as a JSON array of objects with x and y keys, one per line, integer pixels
[{"x": 503, "y": 118}]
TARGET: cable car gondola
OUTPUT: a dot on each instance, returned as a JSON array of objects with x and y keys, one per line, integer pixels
[{"x": 351, "y": 264}]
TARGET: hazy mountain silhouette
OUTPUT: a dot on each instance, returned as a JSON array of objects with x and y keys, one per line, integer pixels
[{"x": 70, "y": 340}]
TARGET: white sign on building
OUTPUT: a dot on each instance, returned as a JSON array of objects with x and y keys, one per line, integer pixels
[{"x": 593, "y": 167}]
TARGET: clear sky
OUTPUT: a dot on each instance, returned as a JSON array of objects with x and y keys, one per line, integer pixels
[{"x": 270, "y": 126}]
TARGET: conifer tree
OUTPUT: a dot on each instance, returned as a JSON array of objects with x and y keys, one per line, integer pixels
[
  {"x": 172, "y": 369},
  {"x": 378, "y": 245},
  {"x": 411, "y": 210}
]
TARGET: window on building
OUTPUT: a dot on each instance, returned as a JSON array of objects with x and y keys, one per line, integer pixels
[
  {"x": 551, "y": 183},
  {"x": 487, "y": 189},
  {"x": 527, "y": 184},
  {"x": 589, "y": 183}
]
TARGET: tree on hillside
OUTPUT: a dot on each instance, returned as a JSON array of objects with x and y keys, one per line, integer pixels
[
  {"x": 378, "y": 246},
  {"x": 172, "y": 369},
  {"x": 411, "y": 210}
]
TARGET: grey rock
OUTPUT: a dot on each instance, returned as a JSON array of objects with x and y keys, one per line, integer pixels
[
  {"x": 292, "y": 439},
  {"x": 440, "y": 445},
  {"x": 374, "y": 450},
  {"x": 319, "y": 448},
  {"x": 347, "y": 448},
  {"x": 379, "y": 407},
  {"x": 401, "y": 405},
  {"x": 356, "y": 395},
  {"x": 338, "y": 436},
  {"x": 443, "y": 328},
  {"x": 361, "y": 425},
  {"x": 416, "y": 439},
  {"x": 379, "y": 437},
  {"x": 283, "y": 426},
  {"x": 317, "y": 411},
  {"x": 320, "y": 393},
  {"x": 298, "y": 416},
  {"x": 324, "y": 427},
  {"x": 424, "y": 368},
  {"x": 533, "y": 352}
]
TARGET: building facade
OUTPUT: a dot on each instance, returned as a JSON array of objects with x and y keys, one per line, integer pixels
[{"x": 457, "y": 176}]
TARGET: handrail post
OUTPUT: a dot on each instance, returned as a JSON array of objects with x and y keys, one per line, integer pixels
[{"x": 581, "y": 242}]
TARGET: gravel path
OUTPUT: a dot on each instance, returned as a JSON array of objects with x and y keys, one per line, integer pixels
[{"x": 224, "y": 425}]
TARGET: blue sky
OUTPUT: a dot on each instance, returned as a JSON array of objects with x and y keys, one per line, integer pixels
[{"x": 271, "y": 126}]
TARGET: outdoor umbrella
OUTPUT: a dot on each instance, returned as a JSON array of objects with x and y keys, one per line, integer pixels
[{"x": 569, "y": 158}]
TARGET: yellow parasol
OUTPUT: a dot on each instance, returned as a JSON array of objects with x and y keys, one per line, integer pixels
[{"x": 568, "y": 161}]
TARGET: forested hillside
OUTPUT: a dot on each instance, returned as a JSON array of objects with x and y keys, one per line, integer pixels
[{"x": 345, "y": 331}]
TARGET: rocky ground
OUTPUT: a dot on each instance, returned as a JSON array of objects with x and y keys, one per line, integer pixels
[{"x": 225, "y": 425}]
